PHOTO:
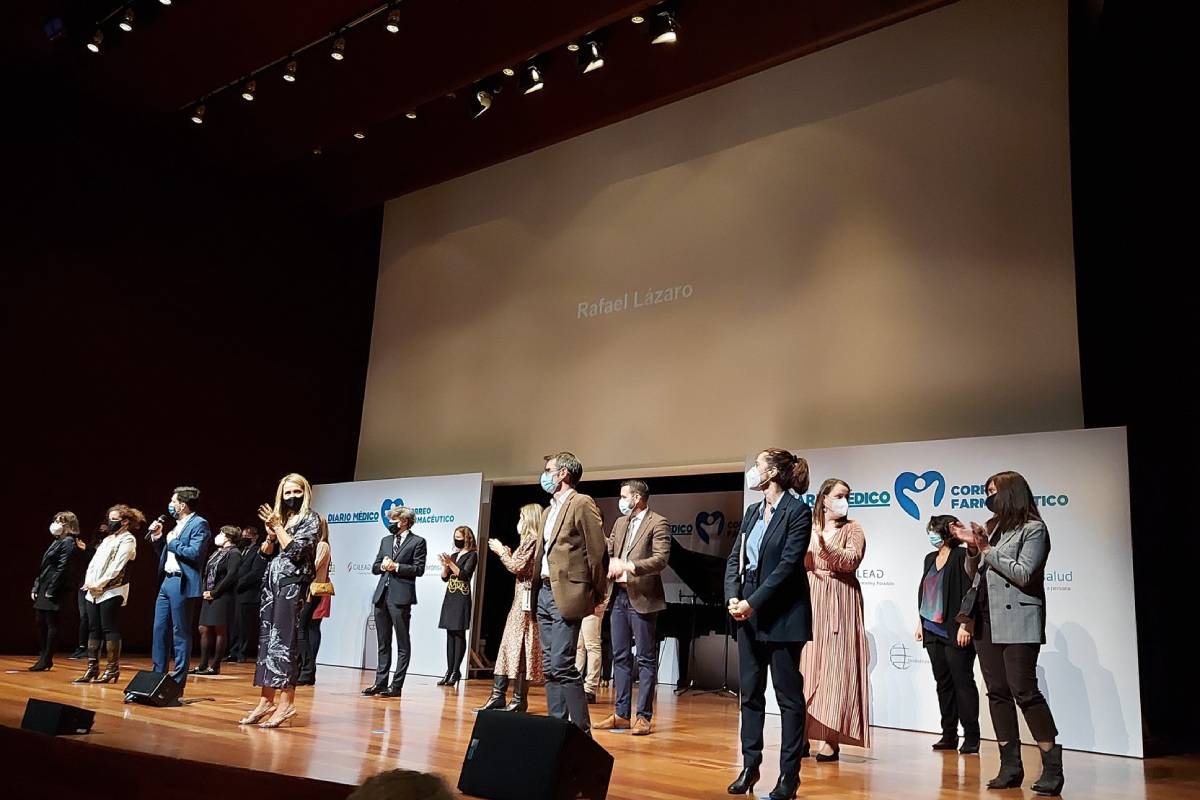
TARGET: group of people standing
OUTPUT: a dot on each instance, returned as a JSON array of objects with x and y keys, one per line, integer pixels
[{"x": 790, "y": 581}]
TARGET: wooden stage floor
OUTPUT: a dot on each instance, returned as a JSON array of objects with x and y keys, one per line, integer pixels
[{"x": 343, "y": 737}]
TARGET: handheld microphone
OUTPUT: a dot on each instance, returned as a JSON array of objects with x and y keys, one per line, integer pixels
[{"x": 161, "y": 519}]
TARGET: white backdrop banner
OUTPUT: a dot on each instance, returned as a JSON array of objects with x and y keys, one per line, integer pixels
[
  {"x": 357, "y": 523},
  {"x": 1088, "y": 668}
]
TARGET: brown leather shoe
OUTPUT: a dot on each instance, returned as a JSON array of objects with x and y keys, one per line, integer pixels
[
  {"x": 641, "y": 727},
  {"x": 612, "y": 723}
]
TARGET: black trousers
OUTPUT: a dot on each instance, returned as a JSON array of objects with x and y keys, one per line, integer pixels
[
  {"x": 245, "y": 628},
  {"x": 1010, "y": 674},
  {"x": 391, "y": 620},
  {"x": 783, "y": 659},
  {"x": 103, "y": 618},
  {"x": 83, "y": 619},
  {"x": 958, "y": 697},
  {"x": 47, "y": 628},
  {"x": 309, "y": 635}
]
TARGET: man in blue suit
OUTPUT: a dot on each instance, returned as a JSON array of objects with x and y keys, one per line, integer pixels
[{"x": 180, "y": 567}]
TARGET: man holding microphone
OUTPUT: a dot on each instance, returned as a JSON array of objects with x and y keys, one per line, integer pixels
[{"x": 180, "y": 564}]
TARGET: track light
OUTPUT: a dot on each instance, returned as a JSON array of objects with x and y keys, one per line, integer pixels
[
  {"x": 95, "y": 42},
  {"x": 591, "y": 55},
  {"x": 338, "y": 53},
  {"x": 198, "y": 114},
  {"x": 664, "y": 28},
  {"x": 531, "y": 78},
  {"x": 573, "y": 47},
  {"x": 508, "y": 72},
  {"x": 165, "y": 2},
  {"x": 411, "y": 114},
  {"x": 249, "y": 89},
  {"x": 289, "y": 71},
  {"x": 637, "y": 19},
  {"x": 393, "y": 21},
  {"x": 126, "y": 23},
  {"x": 360, "y": 135},
  {"x": 482, "y": 97}
]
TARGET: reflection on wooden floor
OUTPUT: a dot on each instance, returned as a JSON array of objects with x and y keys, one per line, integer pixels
[{"x": 343, "y": 737}]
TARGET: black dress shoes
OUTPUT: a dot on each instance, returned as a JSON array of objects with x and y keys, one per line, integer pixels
[
  {"x": 970, "y": 747},
  {"x": 371, "y": 691},
  {"x": 946, "y": 743},
  {"x": 591, "y": 698},
  {"x": 785, "y": 789},
  {"x": 392, "y": 692},
  {"x": 745, "y": 781}
]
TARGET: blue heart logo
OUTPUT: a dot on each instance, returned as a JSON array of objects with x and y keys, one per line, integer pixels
[
  {"x": 709, "y": 525},
  {"x": 386, "y": 506},
  {"x": 907, "y": 482}
]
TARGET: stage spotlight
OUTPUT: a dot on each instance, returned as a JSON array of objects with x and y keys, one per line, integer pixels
[
  {"x": 591, "y": 57},
  {"x": 664, "y": 28},
  {"x": 165, "y": 2},
  {"x": 411, "y": 114},
  {"x": 393, "y": 21},
  {"x": 316, "y": 151},
  {"x": 95, "y": 42},
  {"x": 637, "y": 19},
  {"x": 338, "y": 53},
  {"x": 573, "y": 47},
  {"x": 198, "y": 114},
  {"x": 508, "y": 72},
  {"x": 249, "y": 89},
  {"x": 360, "y": 135},
  {"x": 289, "y": 71},
  {"x": 482, "y": 98},
  {"x": 531, "y": 78},
  {"x": 126, "y": 23}
]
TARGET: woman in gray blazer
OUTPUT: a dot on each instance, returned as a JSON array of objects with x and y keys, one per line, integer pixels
[{"x": 1007, "y": 561}]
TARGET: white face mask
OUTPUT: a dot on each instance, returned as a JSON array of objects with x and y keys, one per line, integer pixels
[
  {"x": 520, "y": 530},
  {"x": 753, "y": 479},
  {"x": 220, "y": 540},
  {"x": 56, "y": 529},
  {"x": 838, "y": 507}
]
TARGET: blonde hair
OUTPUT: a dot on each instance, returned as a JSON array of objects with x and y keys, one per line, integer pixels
[
  {"x": 290, "y": 519},
  {"x": 531, "y": 519}
]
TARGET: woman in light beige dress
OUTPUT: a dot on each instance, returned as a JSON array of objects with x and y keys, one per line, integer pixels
[
  {"x": 520, "y": 656},
  {"x": 834, "y": 664}
]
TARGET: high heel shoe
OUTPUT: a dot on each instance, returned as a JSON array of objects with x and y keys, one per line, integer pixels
[
  {"x": 276, "y": 721},
  {"x": 745, "y": 782},
  {"x": 454, "y": 679},
  {"x": 445, "y": 679},
  {"x": 256, "y": 716}
]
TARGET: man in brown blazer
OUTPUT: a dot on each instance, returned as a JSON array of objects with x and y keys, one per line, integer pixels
[
  {"x": 572, "y": 559},
  {"x": 639, "y": 547}
]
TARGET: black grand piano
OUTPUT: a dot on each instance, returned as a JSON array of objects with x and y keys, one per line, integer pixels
[{"x": 702, "y": 613}]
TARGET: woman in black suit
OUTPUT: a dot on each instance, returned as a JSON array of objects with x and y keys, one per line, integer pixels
[
  {"x": 220, "y": 576},
  {"x": 48, "y": 586},
  {"x": 767, "y": 595},
  {"x": 457, "y": 569},
  {"x": 951, "y": 650}
]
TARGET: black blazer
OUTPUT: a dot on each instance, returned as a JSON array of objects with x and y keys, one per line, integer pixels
[
  {"x": 50, "y": 581},
  {"x": 957, "y": 582},
  {"x": 782, "y": 609},
  {"x": 401, "y": 585},
  {"x": 226, "y": 573},
  {"x": 249, "y": 575}
]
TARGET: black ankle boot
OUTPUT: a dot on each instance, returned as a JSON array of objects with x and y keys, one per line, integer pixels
[
  {"x": 497, "y": 699},
  {"x": 1011, "y": 772},
  {"x": 444, "y": 679},
  {"x": 520, "y": 703},
  {"x": 745, "y": 781},
  {"x": 1052, "y": 780},
  {"x": 785, "y": 788},
  {"x": 949, "y": 741}
]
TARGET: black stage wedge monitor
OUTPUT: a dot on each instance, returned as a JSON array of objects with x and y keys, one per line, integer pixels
[
  {"x": 152, "y": 689},
  {"x": 56, "y": 719},
  {"x": 522, "y": 757}
]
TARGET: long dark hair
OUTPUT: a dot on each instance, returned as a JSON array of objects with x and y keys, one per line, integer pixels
[
  {"x": 791, "y": 470},
  {"x": 1014, "y": 504}
]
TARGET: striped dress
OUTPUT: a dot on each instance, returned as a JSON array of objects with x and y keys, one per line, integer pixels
[{"x": 834, "y": 664}]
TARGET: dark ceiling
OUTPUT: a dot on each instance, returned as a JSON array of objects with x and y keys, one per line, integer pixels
[{"x": 178, "y": 55}]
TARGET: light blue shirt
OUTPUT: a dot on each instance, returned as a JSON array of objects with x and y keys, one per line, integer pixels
[{"x": 755, "y": 537}]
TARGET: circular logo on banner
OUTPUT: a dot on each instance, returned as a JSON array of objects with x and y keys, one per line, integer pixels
[{"x": 899, "y": 656}]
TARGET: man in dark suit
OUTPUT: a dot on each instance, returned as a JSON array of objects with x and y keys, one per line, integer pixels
[
  {"x": 571, "y": 561},
  {"x": 767, "y": 594},
  {"x": 247, "y": 599},
  {"x": 639, "y": 547},
  {"x": 400, "y": 561},
  {"x": 181, "y": 556}
]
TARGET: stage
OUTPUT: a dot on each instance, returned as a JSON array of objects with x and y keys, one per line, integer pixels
[{"x": 344, "y": 738}]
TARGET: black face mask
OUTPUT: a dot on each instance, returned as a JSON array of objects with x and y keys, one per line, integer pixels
[
  {"x": 293, "y": 503},
  {"x": 394, "y": 527},
  {"x": 990, "y": 502},
  {"x": 459, "y": 544}
]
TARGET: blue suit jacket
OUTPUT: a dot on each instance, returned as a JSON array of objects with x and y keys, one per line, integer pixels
[{"x": 190, "y": 548}]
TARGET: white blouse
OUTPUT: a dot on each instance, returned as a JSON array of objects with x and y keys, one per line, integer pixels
[{"x": 111, "y": 556}]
